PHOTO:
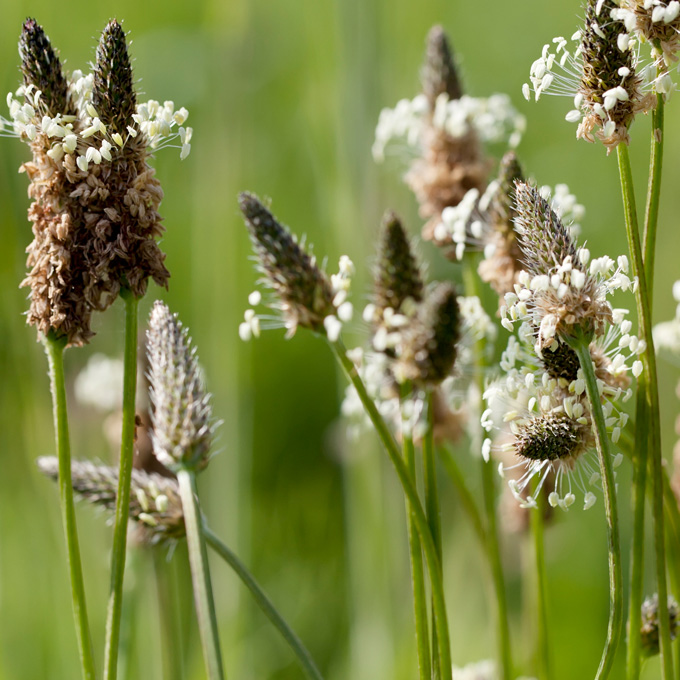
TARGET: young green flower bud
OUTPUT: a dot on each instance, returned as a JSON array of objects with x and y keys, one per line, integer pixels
[
  {"x": 439, "y": 74},
  {"x": 113, "y": 94},
  {"x": 42, "y": 71},
  {"x": 304, "y": 290},
  {"x": 182, "y": 414},
  {"x": 155, "y": 504}
]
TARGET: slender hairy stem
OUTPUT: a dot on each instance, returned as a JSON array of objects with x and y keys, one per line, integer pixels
[
  {"x": 543, "y": 639},
  {"x": 653, "y": 193},
  {"x": 264, "y": 603},
  {"x": 171, "y": 648},
  {"x": 55, "y": 355},
  {"x": 615, "y": 626},
  {"x": 200, "y": 575},
  {"x": 416, "y": 554},
  {"x": 455, "y": 474},
  {"x": 432, "y": 507},
  {"x": 123, "y": 497},
  {"x": 493, "y": 547},
  {"x": 419, "y": 517},
  {"x": 649, "y": 366}
]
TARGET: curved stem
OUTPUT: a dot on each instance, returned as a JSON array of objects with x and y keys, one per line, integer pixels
[
  {"x": 123, "y": 496},
  {"x": 55, "y": 355},
  {"x": 419, "y": 517},
  {"x": 652, "y": 396},
  {"x": 615, "y": 627},
  {"x": 536, "y": 518},
  {"x": 455, "y": 474},
  {"x": 263, "y": 602},
  {"x": 416, "y": 555},
  {"x": 200, "y": 575}
]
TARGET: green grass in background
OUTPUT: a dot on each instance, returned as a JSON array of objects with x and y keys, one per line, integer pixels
[{"x": 284, "y": 97}]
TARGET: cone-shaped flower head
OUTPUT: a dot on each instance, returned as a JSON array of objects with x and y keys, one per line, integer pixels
[
  {"x": 113, "y": 94},
  {"x": 565, "y": 298},
  {"x": 658, "y": 22},
  {"x": 182, "y": 413},
  {"x": 649, "y": 631},
  {"x": 397, "y": 277},
  {"x": 304, "y": 290},
  {"x": 552, "y": 436},
  {"x": 155, "y": 504},
  {"x": 42, "y": 71},
  {"x": 439, "y": 74}
]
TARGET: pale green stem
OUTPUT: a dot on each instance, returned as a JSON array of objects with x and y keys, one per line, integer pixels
[
  {"x": 200, "y": 575},
  {"x": 416, "y": 555},
  {"x": 420, "y": 519},
  {"x": 649, "y": 366},
  {"x": 467, "y": 500},
  {"x": 489, "y": 495},
  {"x": 581, "y": 346},
  {"x": 123, "y": 496},
  {"x": 171, "y": 648},
  {"x": 264, "y": 603},
  {"x": 536, "y": 517},
  {"x": 54, "y": 348}
]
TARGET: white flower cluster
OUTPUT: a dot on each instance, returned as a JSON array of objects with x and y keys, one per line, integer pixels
[
  {"x": 100, "y": 383},
  {"x": 85, "y": 135},
  {"x": 493, "y": 118},
  {"x": 333, "y": 323},
  {"x": 479, "y": 670},
  {"x": 667, "y": 333}
]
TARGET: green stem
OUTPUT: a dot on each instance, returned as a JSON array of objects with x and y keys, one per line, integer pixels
[
  {"x": 54, "y": 348},
  {"x": 264, "y": 603},
  {"x": 171, "y": 649},
  {"x": 123, "y": 496},
  {"x": 536, "y": 517},
  {"x": 416, "y": 555},
  {"x": 581, "y": 346},
  {"x": 652, "y": 393},
  {"x": 467, "y": 500},
  {"x": 493, "y": 547},
  {"x": 434, "y": 570},
  {"x": 200, "y": 575},
  {"x": 432, "y": 507}
]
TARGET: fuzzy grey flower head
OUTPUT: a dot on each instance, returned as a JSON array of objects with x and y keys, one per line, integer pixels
[
  {"x": 397, "y": 277},
  {"x": 182, "y": 413},
  {"x": 42, "y": 71},
  {"x": 439, "y": 74},
  {"x": 155, "y": 504},
  {"x": 649, "y": 631},
  {"x": 304, "y": 290}
]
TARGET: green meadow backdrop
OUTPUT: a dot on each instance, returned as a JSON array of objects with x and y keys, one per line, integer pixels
[{"x": 283, "y": 98}]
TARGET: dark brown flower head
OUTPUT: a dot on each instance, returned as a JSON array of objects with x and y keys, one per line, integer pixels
[
  {"x": 155, "y": 504},
  {"x": 427, "y": 351},
  {"x": 550, "y": 437},
  {"x": 397, "y": 276},
  {"x": 42, "y": 71},
  {"x": 113, "y": 94},
  {"x": 659, "y": 24},
  {"x": 649, "y": 630},
  {"x": 304, "y": 290},
  {"x": 610, "y": 87},
  {"x": 560, "y": 361},
  {"x": 502, "y": 267},
  {"x": 182, "y": 420},
  {"x": 439, "y": 74}
]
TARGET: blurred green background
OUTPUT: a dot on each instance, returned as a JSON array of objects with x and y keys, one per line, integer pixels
[{"x": 284, "y": 97}]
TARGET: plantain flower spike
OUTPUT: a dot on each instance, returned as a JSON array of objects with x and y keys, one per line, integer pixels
[
  {"x": 183, "y": 426},
  {"x": 155, "y": 504},
  {"x": 658, "y": 23},
  {"x": 439, "y": 74},
  {"x": 650, "y": 623}
]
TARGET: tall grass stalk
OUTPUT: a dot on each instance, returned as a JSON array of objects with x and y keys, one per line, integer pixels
[
  {"x": 118, "y": 553},
  {"x": 54, "y": 347},
  {"x": 537, "y": 521}
]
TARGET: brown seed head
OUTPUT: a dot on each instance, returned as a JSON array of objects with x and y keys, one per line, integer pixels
[
  {"x": 155, "y": 504},
  {"x": 439, "y": 74},
  {"x": 550, "y": 437},
  {"x": 182, "y": 413},
  {"x": 304, "y": 290},
  {"x": 113, "y": 94},
  {"x": 42, "y": 70}
]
